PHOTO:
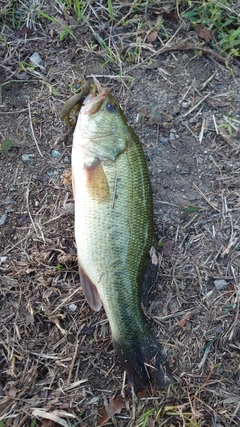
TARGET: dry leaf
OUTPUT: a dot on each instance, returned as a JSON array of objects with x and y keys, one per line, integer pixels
[
  {"x": 49, "y": 423},
  {"x": 151, "y": 37},
  {"x": 67, "y": 177},
  {"x": 142, "y": 394},
  {"x": 150, "y": 422},
  {"x": 12, "y": 392},
  {"x": 51, "y": 32},
  {"x": 102, "y": 416},
  {"x": 25, "y": 31},
  {"x": 171, "y": 16},
  {"x": 184, "y": 319},
  {"x": 55, "y": 416},
  {"x": 203, "y": 33},
  {"x": 114, "y": 406}
]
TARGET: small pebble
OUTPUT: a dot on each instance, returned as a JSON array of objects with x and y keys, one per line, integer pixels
[
  {"x": 172, "y": 136},
  {"x": 220, "y": 284},
  {"x": 72, "y": 307},
  {"x": 3, "y": 259},
  {"x": 3, "y": 219},
  {"x": 37, "y": 61},
  {"x": 10, "y": 202},
  {"x": 164, "y": 141},
  {"x": 68, "y": 208},
  {"x": 56, "y": 154},
  {"x": 66, "y": 160},
  {"x": 218, "y": 328},
  {"x": 186, "y": 104},
  {"x": 52, "y": 173},
  {"x": 27, "y": 158}
]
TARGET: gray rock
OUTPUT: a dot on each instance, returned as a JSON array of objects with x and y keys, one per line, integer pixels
[
  {"x": 220, "y": 284},
  {"x": 3, "y": 219},
  {"x": 52, "y": 173},
  {"x": 37, "y": 61},
  {"x": 164, "y": 141},
  {"x": 27, "y": 158},
  {"x": 10, "y": 202},
  {"x": 56, "y": 154},
  {"x": 66, "y": 160},
  {"x": 72, "y": 307},
  {"x": 186, "y": 104}
]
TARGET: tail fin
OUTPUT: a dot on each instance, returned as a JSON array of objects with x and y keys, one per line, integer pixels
[{"x": 144, "y": 363}]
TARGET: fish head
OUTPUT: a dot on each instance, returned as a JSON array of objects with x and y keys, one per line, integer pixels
[{"x": 102, "y": 128}]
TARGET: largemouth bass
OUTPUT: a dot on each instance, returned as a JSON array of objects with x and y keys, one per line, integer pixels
[{"x": 114, "y": 232}]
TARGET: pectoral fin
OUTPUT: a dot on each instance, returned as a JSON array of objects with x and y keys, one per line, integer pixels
[
  {"x": 90, "y": 291},
  {"x": 96, "y": 181}
]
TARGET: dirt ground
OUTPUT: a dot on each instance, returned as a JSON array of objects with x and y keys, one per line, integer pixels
[{"x": 57, "y": 363}]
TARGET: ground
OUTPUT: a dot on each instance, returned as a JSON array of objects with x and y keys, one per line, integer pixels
[{"x": 56, "y": 356}]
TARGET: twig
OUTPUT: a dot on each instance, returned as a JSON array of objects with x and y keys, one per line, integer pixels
[
  {"x": 205, "y": 198},
  {"x": 197, "y": 105},
  {"x": 189, "y": 46},
  {"x": 29, "y": 213},
  {"x": 124, "y": 384},
  {"x": 72, "y": 362},
  {"x": 227, "y": 138},
  {"x": 181, "y": 46},
  {"x": 31, "y": 126},
  {"x": 16, "y": 244},
  {"x": 215, "y": 125},
  {"x": 203, "y": 85},
  {"x": 190, "y": 130},
  {"x": 65, "y": 300},
  {"x": 202, "y": 130}
]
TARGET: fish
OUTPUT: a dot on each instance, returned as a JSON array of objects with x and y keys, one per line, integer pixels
[{"x": 114, "y": 233}]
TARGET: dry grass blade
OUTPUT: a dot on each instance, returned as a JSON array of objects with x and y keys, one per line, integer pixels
[
  {"x": 33, "y": 134},
  {"x": 205, "y": 197},
  {"x": 197, "y": 105},
  {"x": 55, "y": 416}
]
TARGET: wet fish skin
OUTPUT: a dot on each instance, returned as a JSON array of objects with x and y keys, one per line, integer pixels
[{"x": 114, "y": 232}]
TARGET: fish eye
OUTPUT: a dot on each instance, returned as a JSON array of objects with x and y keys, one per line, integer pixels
[
  {"x": 77, "y": 86},
  {"x": 111, "y": 107}
]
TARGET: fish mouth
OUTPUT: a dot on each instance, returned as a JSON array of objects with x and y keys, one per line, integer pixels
[{"x": 93, "y": 103}]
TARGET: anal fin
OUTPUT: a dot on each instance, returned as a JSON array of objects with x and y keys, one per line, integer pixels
[{"x": 90, "y": 291}]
